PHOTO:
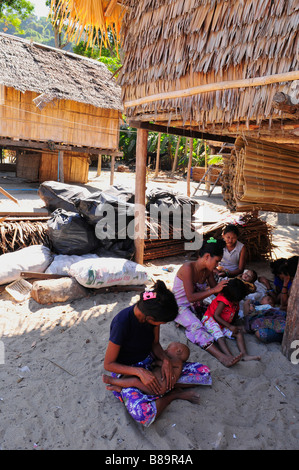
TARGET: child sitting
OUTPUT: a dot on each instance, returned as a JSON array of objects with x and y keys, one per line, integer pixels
[
  {"x": 178, "y": 353},
  {"x": 234, "y": 254},
  {"x": 218, "y": 319}
]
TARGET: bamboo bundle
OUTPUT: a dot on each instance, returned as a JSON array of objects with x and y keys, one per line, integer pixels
[
  {"x": 16, "y": 235},
  {"x": 156, "y": 245},
  {"x": 255, "y": 233},
  {"x": 261, "y": 176}
]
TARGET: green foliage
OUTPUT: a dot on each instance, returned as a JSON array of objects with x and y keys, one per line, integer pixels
[{"x": 13, "y": 12}]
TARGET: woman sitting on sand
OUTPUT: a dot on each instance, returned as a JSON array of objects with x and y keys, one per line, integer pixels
[
  {"x": 177, "y": 353},
  {"x": 193, "y": 283},
  {"x": 134, "y": 345}
]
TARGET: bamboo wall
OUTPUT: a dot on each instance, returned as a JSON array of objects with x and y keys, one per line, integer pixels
[
  {"x": 69, "y": 122},
  {"x": 75, "y": 167}
]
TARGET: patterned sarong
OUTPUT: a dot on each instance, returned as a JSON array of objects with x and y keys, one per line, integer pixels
[{"x": 142, "y": 407}]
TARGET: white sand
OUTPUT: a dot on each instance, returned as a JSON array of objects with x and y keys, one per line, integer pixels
[{"x": 62, "y": 403}]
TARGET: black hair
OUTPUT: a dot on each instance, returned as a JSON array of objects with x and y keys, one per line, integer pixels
[
  {"x": 231, "y": 228},
  {"x": 275, "y": 265},
  {"x": 235, "y": 290},
  {"x": 254, "y": 275},
  {"x": 213, "y": 247},
  {"x": 162, "y": 308},
  {"x": 288, "y": 267}
]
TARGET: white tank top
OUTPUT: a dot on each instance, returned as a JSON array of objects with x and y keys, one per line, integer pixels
[{"x": 230, "y": 259}]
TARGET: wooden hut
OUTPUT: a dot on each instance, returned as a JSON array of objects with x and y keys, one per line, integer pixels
[{"x": 56, "y": 110}]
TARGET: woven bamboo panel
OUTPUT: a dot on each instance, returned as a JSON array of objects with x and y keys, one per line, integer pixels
[
  {"x": 261, "y": 176},
  {"x": 75, "y": 167}
]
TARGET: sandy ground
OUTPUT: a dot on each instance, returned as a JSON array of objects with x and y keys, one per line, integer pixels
[{"x": 59, "y": 401}]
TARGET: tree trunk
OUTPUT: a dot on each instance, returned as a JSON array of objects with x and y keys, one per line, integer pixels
[{"x": 291, "y": 334}]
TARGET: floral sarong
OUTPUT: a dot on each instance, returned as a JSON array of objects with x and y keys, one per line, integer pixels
[{"x": 142, "y": 407}]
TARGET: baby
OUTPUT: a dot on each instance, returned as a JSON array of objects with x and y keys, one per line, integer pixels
[
  {"x": 178, "y": 353},
  {"x": 266, "y": 302}
]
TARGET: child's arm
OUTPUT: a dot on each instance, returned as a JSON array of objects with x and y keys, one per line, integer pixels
[
  {"x": 217, "y": 317},
  {"x": 186, "y": 275}
]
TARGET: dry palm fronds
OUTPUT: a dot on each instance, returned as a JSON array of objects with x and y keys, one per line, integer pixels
[
  {"x": 17, "y": 235},
  {"x": 85, "y": 18}
]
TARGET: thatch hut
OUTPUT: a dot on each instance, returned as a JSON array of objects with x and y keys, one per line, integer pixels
[{"x": 56, "y": 110}]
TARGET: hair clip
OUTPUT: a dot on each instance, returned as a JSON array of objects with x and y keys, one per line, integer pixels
[
  {"x": 211, "y": 240},
  {"x": 149, "y": 295}
]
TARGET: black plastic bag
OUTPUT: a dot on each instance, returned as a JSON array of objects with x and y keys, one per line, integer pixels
[
  {"x": 70, "y": 234},
  {"x": 58, "y": 195}
]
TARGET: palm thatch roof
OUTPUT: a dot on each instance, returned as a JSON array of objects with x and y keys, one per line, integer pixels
[
  {"x": 192, "y": 62},
  {"x": 180, "y": 45},
  {"x": 55, "y": 74}
]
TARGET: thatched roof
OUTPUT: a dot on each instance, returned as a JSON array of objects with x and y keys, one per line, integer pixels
[
  {"x": 55, "y": 74},
  {"x": 176, "y": 45}
]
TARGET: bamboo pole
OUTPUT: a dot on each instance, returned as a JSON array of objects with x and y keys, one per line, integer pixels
[
  {"x": 140, "y": 187},
  {"x": 112, "y": 169},
  {"x": 99, "y": 169},
  {"x": 175, "y": 161},
  {"x": 60, "y": 167},
  {"x": 8, "y": 195},
  {"x": 216, "y": 86},
  {"x": 158, "y": 156}
]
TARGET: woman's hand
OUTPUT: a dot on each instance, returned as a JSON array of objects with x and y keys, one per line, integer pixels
[
  {"x": 220, "y": 286},
  {"x": 149, "y": 380}
]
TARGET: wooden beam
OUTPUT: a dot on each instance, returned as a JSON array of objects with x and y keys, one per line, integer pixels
[
  {"x": 99, "y": 168},
  {"x": 53, "y": 147},
  {"x": 140, "y": 188},
  {"x": 112, "y": 169},
  {"x": 181, "y": 131},
  {"x": 216, "y": 86},
  {"x": 5, "y": 193}
]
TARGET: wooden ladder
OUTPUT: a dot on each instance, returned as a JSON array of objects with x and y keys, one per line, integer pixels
[{"x": 209, "y": 191}]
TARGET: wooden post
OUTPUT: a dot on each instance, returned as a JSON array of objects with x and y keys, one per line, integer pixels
[
  {"x": 290, "y": 340},
  {"x": 158, "y": 156},
  {"x": 140, "y": 188},
  {"x": 175, "y": 161},
  {"x": 112, "y": 169},
  {"x": 99, "y": 169},
  {"x": 60, "y": 166},
  {"x": 189, "y": 166}
]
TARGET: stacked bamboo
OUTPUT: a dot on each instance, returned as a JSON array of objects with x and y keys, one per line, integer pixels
[
  {"x": 15, "y": 235},
  {"x": 255, "y": 233},
  {"x": 158, "y": 246},
  {"x": 261, "y": 176}
]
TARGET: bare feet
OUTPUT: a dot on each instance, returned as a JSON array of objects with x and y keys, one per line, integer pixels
[
  {"x": 229, "y": 361},
  {"x": 112, "y": 383},
  {"x": 188, "y": 394},
  {"x": 114, "y": 388},
  {"x": 246, "y": 357}
]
